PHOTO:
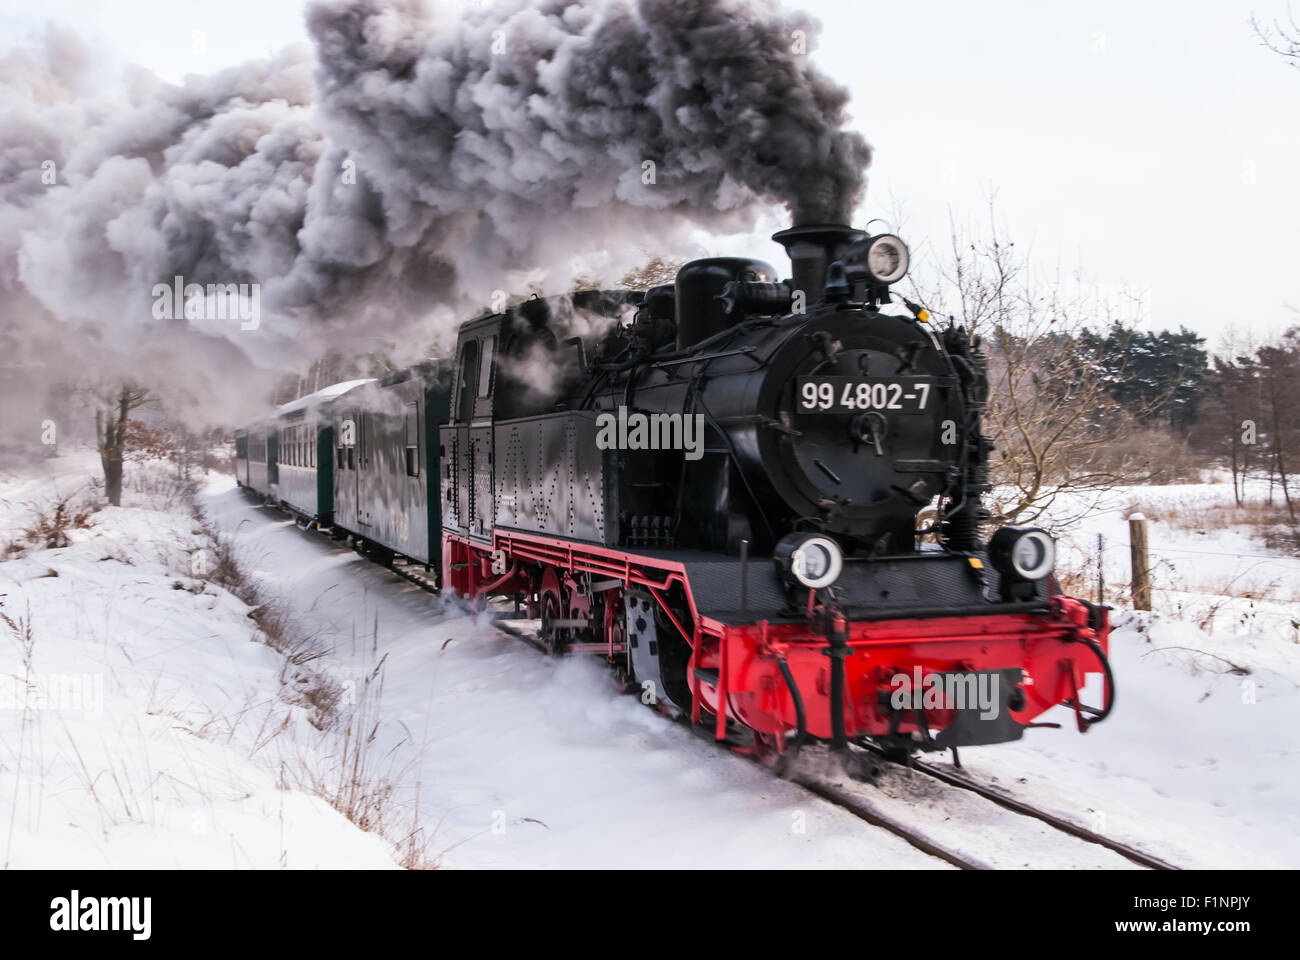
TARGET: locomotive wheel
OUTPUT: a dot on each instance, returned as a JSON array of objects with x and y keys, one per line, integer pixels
[
  {"x": 624, "y": 681},
  {"x": 674, "y": 651},
  {"x": 614, "y": 632},
  {"x": 551, "y": 602}
]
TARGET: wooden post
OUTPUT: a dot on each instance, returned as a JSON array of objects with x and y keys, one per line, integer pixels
[
  {"x": 1101, "y": 568},
  {"x": 1137, "y": 538}
]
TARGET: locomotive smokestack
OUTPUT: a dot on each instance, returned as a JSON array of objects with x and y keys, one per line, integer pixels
[{"x": 813, "y": 248}]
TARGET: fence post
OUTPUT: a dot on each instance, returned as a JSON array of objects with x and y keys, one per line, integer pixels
[
  {"x": 1101, "y": 568},
  {"x": 1137, "y": 538}
]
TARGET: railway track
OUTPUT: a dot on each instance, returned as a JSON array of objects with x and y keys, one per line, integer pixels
[
  {"x": 1140, "y": 857},
  {"x": 865, "y": 809},
  {"x": 860, "y": 806}
]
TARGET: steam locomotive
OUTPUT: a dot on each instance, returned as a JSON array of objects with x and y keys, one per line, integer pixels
[{"x": 715, "y": 485}]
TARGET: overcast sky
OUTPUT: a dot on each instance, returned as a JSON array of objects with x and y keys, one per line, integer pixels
[{"x": 1155, "y": 146}]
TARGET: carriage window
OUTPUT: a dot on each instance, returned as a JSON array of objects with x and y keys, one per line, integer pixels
[
  {"x": 485, "y": 368},
  {"x": 468, "y": 379},
  {"x": 412, "y": 440}
]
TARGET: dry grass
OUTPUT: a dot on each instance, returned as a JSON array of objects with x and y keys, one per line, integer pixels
[
  {"x": 1200, "y": 516},
  {"x": 343, "y": 763},
  {"x": 359, "y": 780},
  {"x": 20, "y": 628},
  {"x": 301, "y": 684},
  {"x": 1164, "y": 458},
  {"x": 50, "y": 526},
  {"x": 352, "y": 776},
  {"x": 1281, "y": 533},
  {"x": 164, "y": 491},
  {"x": 1269, "y": 523},
  {"x": 1080, "y": 583}
]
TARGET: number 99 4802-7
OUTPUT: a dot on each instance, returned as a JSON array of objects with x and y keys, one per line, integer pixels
[{"x": 907, "y": 395}]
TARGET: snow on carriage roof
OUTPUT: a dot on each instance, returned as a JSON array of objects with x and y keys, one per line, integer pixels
[{"x": 324, "y": 393}]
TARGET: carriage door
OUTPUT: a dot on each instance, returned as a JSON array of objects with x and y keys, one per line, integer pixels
[
  {"x": 466, "y": 388},
  {"x": 365, "y": 482},
  {"x": 272, "y": 458},
  {"x": 480, "y": 440}
]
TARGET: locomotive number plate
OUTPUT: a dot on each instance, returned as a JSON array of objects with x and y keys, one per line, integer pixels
[{"x": 852, "y": 394}]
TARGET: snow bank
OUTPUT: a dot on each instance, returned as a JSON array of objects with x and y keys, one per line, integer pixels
[
  {"x": 1200, "y": 761},
  {"x": 136, "y": 706}
]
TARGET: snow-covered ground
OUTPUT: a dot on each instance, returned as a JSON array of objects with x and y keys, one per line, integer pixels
[
  {"x": 1200, "y": 762},
  {"x": 133, "y": 701},
  {"x": 484, "y": 753}
]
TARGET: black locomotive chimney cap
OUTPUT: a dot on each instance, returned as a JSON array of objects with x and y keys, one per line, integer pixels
[{"x": 812, "y": 248}]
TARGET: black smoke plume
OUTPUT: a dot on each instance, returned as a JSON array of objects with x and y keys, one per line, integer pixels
[{"x": 385, "y": 182}]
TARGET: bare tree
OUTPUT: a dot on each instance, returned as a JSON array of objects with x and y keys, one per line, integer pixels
[
  {"x": 1279, "y": 372},
  {"x": 1225, "y": 429},
  {"x": 113, "y": 432},
  {"x": 1057, "y": 429},
  {"x": 1282, "y": 37}
]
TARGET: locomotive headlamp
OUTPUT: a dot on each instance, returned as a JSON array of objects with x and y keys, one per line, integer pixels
[
  {"x": 887, "y": 258},
  {"x": 809, "y": 559},
  {"x": 1023, "y": 553}
]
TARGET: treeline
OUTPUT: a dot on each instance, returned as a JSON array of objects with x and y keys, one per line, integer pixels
[
  {"x": 1238, "y": 411},
  {"x": 1159, "y": 407},
  {"x": 1249, "y": 414},
  {"x": 1158, "y": 376}
]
